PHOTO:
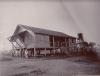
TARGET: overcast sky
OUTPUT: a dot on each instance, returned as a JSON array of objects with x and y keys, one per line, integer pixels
[{"x": 70, "y": 17}]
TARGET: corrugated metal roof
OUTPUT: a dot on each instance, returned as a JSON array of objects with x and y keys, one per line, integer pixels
[{"x": 45, "y": 31}]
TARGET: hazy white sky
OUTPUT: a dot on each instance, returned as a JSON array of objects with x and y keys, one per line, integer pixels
[{"x": 70, "y": 17}]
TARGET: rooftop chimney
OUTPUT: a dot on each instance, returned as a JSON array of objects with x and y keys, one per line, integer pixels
[{"x": 80, "y": 36}]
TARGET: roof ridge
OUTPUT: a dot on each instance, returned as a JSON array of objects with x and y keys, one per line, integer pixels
[{"x": 42, "y": 29}]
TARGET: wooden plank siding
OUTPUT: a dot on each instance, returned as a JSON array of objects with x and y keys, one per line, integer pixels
[
  {"x": 29, "y": 40},
  {"x": 35, "y": 41},
  {"x": 42, "y": 41}
]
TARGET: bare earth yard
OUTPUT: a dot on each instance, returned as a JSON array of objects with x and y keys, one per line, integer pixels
[{"x": 10, "y": 66}]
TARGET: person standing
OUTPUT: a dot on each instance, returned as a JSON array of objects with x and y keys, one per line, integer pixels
[{"x": 26, "y": 53}]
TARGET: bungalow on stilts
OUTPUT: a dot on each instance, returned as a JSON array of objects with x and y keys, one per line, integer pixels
[{"x": 32, "y": 42}]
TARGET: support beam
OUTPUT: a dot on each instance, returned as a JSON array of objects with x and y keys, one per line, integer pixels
[
  {"x": 53, "y": 42},
  {"x": 13, "y": 45},
  {"x": 45, "y": 51},
  {"x": 11, "y": 42},
  {"x": 18, "y": 44},
  {"x": 53, "y": 45},
  {"x": 69, "y": 44},
  {"x": 35, "y": 52},
  {"x": 21, "y": 53}
]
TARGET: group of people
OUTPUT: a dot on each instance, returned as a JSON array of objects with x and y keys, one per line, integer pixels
[{"x": 20, "y": 52}]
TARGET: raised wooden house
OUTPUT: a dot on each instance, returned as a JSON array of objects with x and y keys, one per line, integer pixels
[{"x": 32, "y": 41}]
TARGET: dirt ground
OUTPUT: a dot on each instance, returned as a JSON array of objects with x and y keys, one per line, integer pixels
[{"x": 12, "y": 66}]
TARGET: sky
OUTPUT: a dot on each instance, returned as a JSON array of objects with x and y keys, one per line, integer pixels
[{"x": 69, "y": 17}]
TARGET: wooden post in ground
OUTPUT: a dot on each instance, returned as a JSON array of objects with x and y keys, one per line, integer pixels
[
  {"x": 20, "y": 52},
  {"x": 35, "y": 52},
  {"x": 45, "y": 52}
]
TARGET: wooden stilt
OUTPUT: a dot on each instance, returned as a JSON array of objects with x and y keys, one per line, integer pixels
[
  {"x": 19, "y": 52},
  {"x": 35, "y": 52},
  {"x": 45, "y": 51}
]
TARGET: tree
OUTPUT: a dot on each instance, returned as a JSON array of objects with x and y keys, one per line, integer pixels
[{"x": 92, "y": 44}]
